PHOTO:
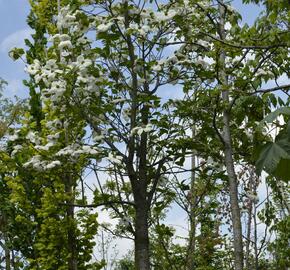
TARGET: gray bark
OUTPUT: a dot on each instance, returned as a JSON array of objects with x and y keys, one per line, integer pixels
[
  {"x": 190, "y": 265},
  {"x": 228, "y": 152}
]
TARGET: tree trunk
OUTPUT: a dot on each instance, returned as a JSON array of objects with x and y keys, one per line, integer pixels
[
  {"x": 256, "y": 239},
  {"x": 228, "y": 151},
  {"x": 190, "y": 264},
  {"x": 72, "y": 260},
  {"x": 142, "y": 261},
  {"x": 7, "y": 256},
  {"x": 233, "y": 188},
  {"x": 247, "y": 256}
]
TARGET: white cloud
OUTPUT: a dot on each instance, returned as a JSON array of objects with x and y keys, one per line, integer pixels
[{"x": 15, "y": 39}]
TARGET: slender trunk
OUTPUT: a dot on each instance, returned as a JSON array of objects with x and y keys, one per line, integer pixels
[
  {"x": 13, "y": 261},
  {"x": 103, "y": 249},
  {"x": 228, "y": 152},
  {"x": 142, "y": 261},
  {"x": 72, "y": 260},
  {"x": 71, "y": 231},
  {"x": 233, "y": 189},
  {"x": 190, "y": 265},
  {"x": 247, "y": 256},
  {"x": 256, "y": 238}
]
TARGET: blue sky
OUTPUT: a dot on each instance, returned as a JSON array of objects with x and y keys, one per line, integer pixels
[{"x": 14, "y": 30}]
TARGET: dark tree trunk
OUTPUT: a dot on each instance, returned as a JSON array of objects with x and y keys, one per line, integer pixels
[
  {"x": 142, "y": 261},
  {"x": 7, "y": 257},
  {"x": 72, "y": 260}
]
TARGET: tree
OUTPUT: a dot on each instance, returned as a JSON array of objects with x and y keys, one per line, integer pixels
[{"x": 115, "y": 95}]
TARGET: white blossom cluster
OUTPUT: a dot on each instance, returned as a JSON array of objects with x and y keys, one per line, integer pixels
[
  {"x": 58, "y": 75},
  {"x": 66, "y": 18},
  {"x": 39, "y": 164},
  {"x": 72, "y": 151},
  {"x": 140, "y": 130},
  {"x": 115, "y": 159},
  {"x": 75, "y": 150}
]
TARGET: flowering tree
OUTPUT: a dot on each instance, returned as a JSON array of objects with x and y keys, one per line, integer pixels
[{"x": 110, "y": 86}]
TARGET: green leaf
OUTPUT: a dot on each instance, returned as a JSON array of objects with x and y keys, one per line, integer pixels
[
  {"x": 16, "y": 53},
  {"x": 275, "y": 159},
  {"x": 273, "y": 115}
]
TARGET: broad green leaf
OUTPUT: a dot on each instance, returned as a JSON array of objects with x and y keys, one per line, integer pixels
[
  {"x": 273, "y": 115},
  {"x": 275, "y": 155}
]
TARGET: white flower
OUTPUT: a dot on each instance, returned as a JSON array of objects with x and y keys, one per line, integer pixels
[
  {"x": 82, "y": 64},
  {"x": 65, "y": 19},
  {"x": 64, "y": 37},
  {"x": 173, "y": 59},
  {"x": 262, "y": 72},
  {"x": 13, "y": 137},
  {"x": 65, "y": 53},
  {"x": 58, "y": 87},
  {"x": 118, "y": 100},
  {"x": 33, "y": 68},
  {"x": 145, "y": 29},
  {"x": 53, "y": 137},
  {"x": 203, "y": 43},
  {"x": 31, "y": 136},
  {"x": 252, "y": 196},
  {"x": 148, "y": 128},
  {"x": 104, "y": 27},
  {"x": 34, "y": 161},
  {"x": 161, "y": 16},
  {"x": 44, "y": 147},
  {"x": 37, "y": 78},
  {"x": 83, "y": 40},
  {"x": 134, "y": 26},
  {"x": 136, "y": 130},
  {"x": 156, "y": 68},
  {"x": 16, "y": 148},
  {"x": 125, "y": 221},
  {"x": 93, "y": 151},
  {"x": 115, "y": 159},
  {"x": 200, "y": 61},
  {"x": 69, "y": 150},
  {"x": 65, "y": 44},
  {"x": 53, "y": 164},
  {"x": 228, "y": 26}
]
